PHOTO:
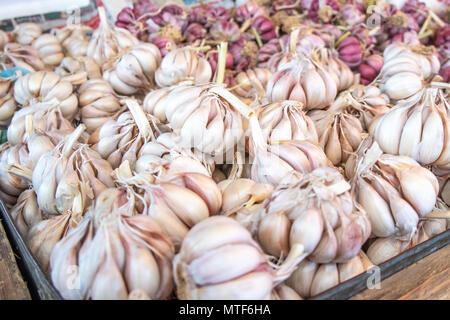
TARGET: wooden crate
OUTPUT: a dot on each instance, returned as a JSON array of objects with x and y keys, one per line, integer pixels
[{"x": 355, "y": 287}]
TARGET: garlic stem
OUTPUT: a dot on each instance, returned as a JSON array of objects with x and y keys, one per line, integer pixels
[
  {"x": 102, "y": 16},
  {"x": 28, "y": 126},
  {"x": 241, "y": 107},
  {"x": 236, "y": 169},
  {"x": 437, "y": 19},
  {"x": 442, "y": 85},
  {"x": 296, "y": 255},
  {"x": 257, "y": 38},
  {"x": 293, "y": 38},
  {"x": 425, "y": 25},
  {"x": 246, "y": 25},
  {"x": 77, "y": 78},
  {"x": 259, "y": 144},
  {"x": 71, "y": 139},
  {"x": 21, "y": 171},
  {"x": 341, "y": 38},
  {"x": 140, "y": 118},
  {"x": 123, "y": 172},
  {"x": 221, "y": 62}
]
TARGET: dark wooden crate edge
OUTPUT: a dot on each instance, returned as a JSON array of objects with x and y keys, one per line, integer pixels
[
  {"x": 37, "y": 282},
  {"x": 45, "y": 290}
]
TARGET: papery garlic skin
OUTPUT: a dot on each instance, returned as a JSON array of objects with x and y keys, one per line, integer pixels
[
  {"x": 325, "y": 221},
  {"x": 395, "y": 191},
  {"x": 26, "y": 212},
  {"x": 78, "y": 70},
  {"x": 302, "y": 80},
  {"x": 26, "y": 33},
  {"x": 134, "y": 70},
  {"x": 73, "y": 39},
  {"x": 252, "y": 83},
  {"x": 230, "y": 265},
  {"x": 116, "y": 253},
  {"x": 7, "y": 103},
  {"x": 418, "y": 128},
  {"x": 98, "y": 104},
  {"x": 45, "y": 86},
  {"x": 183, "y": 64},
  {"x": 50, "y": 49},
  {"x": 23, "y": 56}
]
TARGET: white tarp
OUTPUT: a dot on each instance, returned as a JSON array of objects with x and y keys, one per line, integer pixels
[{"x": 19, "y": 8}]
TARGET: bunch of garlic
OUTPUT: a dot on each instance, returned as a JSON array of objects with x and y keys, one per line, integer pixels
[
  {"x": 311, "y": 279},
  {"x": 44, "y": 117},
  {"x": 341, "y": 73},
  {"x": 206, "y": 117},
  {"x": 26, "y": 33},
  {"x": 26, "y": 213},
  {"x": 340, "y": 132},
  {"x": 45, "y": 86},
  {"x": 304, "y": 80},
  {"x": 228, "y": 265},
  {"x": 22, "y": 56},
  {"x": 50, "y": 49},
  {"x": 98, "y": 104},
  {"x": 107, "y": 41},
  {"x": 270, "y": 163},
  {"x": 183, "y": 64},
  {"x": 118, "y": 254},
  {"x": 73, "y": 39},
  {"x": 134, "y": 70},
  {"x": 313, "y": 216},
  {"x": 404, "y": 71},
  {"x": 251, "y": 84},
  {"x": 7, "y": 103},
  {"x": 286, "y": 120},
  {"x": 165, "y": 198},
  {"x": 121, "y": 139},
  {"x": 418, "y": 128},
  {"x": 77, "y": 70},
  {"x": 70, "y": 175},
  {"x": 395, "y": 191}
]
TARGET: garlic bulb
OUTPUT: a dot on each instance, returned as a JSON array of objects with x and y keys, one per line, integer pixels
[
  {"x": 44, "y": 117},
  {"x": 229, "y": 265},
  {"x": 70, "y": 176},
  {"x": 26, "y": 213},
  {"x": 12, "y": 185},
  {"x": 285, "y": 120},
  {"x": 73, "y": 39},
  {"x": 7, "y": 103},
  {"x": 311, "y": 278},
  {"x": 242, "y": 200},
  {"x": 165, "y": 198},
  {"x": 45, "y": 86},
  {"x": 121, "y": 139},
  {"x": 77, "y": 70},
  {"x": 116, "y": 253},
  {"x": 23, "y": 56},
  {"x": 340, "y": 133},
  {"x": 183, "y": 64},
  {"x": 4, "y": 39},
  {"x": 206, "y": 117},
  {"x": 270, "y": 163},
  {"x": 302, "y": 80},
  {"x": 26, "y": 33},
  {"x": 341, "y": 73},
  {"x": 313, "y": 216},
  {"x": 418, "y": 128},
  {"x": 98, "y": 104},
  {"x": 134, "y": 70},
  {"x": 50, "y": 49},
  {"x": 252, "y": 83},
  {"x": 395, "y": 191},
  {"x": 107, "y": 41}
]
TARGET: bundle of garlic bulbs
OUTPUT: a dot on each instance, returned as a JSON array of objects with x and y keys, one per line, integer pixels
[
  {"x": 107, "y": 41},
  {"x": 183, "y": 64},
  {"x": 119, "y": 254},
  {"x": 395, "y": 191},
  {"x": 134, "y": 70},
  {"x": 44, "y": 86},
  {"x": 313, "y": 216},
  {"x": 418, "y": 128}
]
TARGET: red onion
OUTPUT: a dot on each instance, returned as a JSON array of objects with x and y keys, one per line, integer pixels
[
  {"x": 249, "y": 10},
  {"x": 350, "y": 52},
  {"x": 213, "y": 58},
  {"x": 225, "y": 30},
  {"x": 417, "y": 9},
  {"x": 370, "y": 68},
  {"x": 195, "y": 31},
  {"x": 325, "y": 13},
  {"x": 245, "y": 54},
  {"x": 164, "y": 44},
  {"x": 264, "y": 27}
]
